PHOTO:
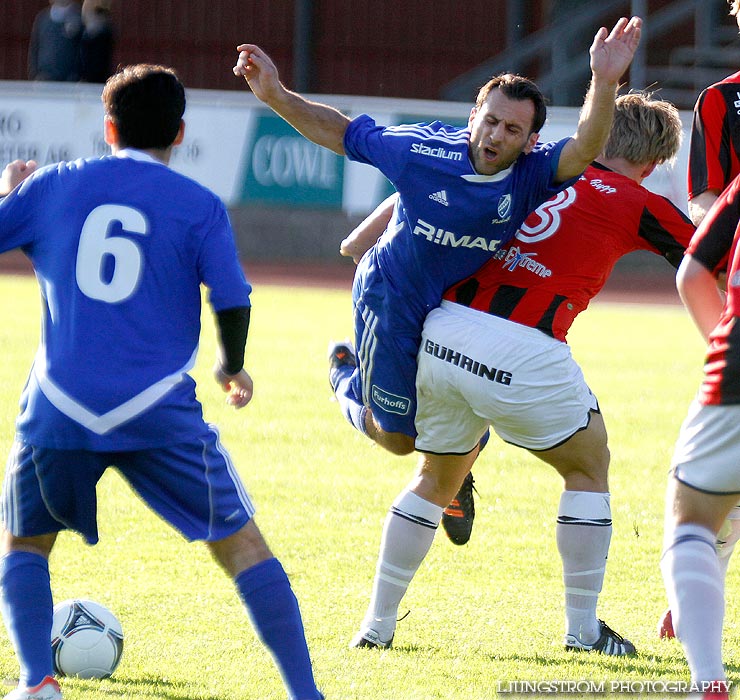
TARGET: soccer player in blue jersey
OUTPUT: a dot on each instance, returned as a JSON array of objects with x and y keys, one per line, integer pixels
[
  {"x": 120, "y": 246},
  {"x": 463, "y": 193}
]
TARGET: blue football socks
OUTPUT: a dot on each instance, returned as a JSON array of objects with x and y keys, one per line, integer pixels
[
  {"x": 352, "y": 407},
  {"x": 274, "y": 612},
  {"x": 27, "y": 607}
]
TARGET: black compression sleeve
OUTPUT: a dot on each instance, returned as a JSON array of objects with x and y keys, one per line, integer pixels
[{"x": 233, "y": 326}]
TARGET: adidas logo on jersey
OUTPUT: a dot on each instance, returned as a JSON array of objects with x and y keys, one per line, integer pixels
[{"x": 440, "y": 197}]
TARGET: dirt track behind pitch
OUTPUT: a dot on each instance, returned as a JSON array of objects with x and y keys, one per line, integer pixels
[{"x": 626, "y": 286}]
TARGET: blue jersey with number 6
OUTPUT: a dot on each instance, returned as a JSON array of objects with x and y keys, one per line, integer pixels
[{"x": 120, "y": 246}]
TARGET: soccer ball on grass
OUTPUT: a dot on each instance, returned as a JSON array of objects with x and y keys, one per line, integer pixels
[{"x": 86, "y": 639}]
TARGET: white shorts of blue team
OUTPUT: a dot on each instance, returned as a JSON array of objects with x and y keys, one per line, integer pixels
[
  {"x": 707, "y": 452},
  {"x": 476, "y": 370}
]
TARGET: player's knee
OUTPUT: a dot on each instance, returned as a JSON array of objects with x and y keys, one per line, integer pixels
[
  {"x": 240, "y": 551},
  {"x": 589, "y": 476}
]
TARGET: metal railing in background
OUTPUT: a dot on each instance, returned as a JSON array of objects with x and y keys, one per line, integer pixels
[{"x": 559, "y": 52}]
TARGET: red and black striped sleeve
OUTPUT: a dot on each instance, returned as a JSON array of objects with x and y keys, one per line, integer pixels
[
  {"x": 712, "y": 241},
  {"x": 715, "y": 139},
  {"x": 665, "y": 228}
]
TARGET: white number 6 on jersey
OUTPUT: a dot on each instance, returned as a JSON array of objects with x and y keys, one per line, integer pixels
[{"x": 96, "y": 244}]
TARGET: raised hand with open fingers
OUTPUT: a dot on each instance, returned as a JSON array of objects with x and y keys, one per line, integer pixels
[{"x": 612, "y": 52}]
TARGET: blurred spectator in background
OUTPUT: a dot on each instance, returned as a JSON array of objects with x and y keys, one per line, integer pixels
[
  {"x": 54, "y": 50},
  {"x": 96, "y": 42}
]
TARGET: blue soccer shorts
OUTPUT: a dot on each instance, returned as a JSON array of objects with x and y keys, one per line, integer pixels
[
  {"x": 192, "y": 486},
  {"x": 385, "y": 380}
]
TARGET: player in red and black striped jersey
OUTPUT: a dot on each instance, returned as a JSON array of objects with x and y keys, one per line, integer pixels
[
  {"x": 712, "y": 252},
  {"x": 705, "y": 484},
  {"x": 604, "y": 216},
  {"x": 715, "y": 141}
]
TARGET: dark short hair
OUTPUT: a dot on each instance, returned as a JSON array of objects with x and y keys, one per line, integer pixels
[
  {"x": 517, "y": 87},
  {"x": 146, "y": 103}
]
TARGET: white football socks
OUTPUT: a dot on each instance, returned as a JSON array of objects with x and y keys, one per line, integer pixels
[
  {"x": 695, "y": 587},
  {"x": 408, "y": 534},
  {"x": 583, "y": 534}
]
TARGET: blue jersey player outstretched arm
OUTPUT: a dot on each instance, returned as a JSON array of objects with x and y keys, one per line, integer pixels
[
  {"x": 463, "y": 192},
  {"x": 121, "y": 246}
]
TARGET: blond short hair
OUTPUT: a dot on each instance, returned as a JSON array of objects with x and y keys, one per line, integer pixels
[
  {"x": 734, "y": 7},
  {"x": 645, "y": 130}
]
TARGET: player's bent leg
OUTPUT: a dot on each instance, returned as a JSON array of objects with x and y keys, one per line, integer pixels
[
  {"x": 384, "y": 381},
  {"x": 583, "y": 459},
  {"x": 583, "y": 534},
  {"x": 398, "y": 444},
  {"x": 408, "y": 534},
  {"x": 344, "y": 380},
  {"x": 273, "y": 608}
]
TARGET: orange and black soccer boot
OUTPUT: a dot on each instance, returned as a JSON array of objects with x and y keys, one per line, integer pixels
[
  {"x": 457, "y": 518},
  {"x": 341, "y": 355}
]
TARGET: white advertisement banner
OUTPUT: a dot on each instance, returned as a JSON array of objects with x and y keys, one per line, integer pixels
[{"x": 246, "y": 154}]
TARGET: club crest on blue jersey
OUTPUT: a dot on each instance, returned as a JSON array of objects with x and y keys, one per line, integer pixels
[{"x": 504, "y": 206}]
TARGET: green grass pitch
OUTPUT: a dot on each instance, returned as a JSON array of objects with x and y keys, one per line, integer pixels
[{"x": 480, "y": 615}]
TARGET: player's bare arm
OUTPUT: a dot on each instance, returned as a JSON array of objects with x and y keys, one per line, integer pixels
[
  {"x": 365, "y": 235},
  {"x": 15, "y": 173},
  {"x": 318, "y": 122},
  {"x": 611, "y": 55},
  {"x": 700, "y": 205},
  {"x": 697, "y": 287}
]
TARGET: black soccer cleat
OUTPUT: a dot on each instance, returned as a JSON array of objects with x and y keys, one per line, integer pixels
[
  {"x": 457, "y": 518},
  {"x": 341, "y": 355},
  {"x": 609, "y": 643}
]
